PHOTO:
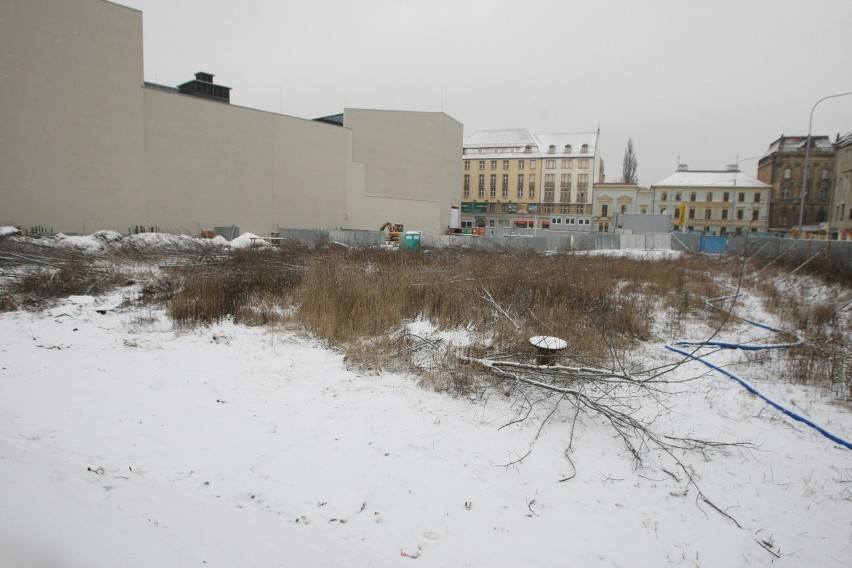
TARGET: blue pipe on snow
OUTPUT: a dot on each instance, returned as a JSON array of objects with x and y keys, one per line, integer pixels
[{"x": 747, "y": 386}]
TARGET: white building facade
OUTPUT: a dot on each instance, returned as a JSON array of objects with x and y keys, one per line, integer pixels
[{"x": 713, "y": 202}]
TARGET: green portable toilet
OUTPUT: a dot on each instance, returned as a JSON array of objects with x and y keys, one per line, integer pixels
[{"x": 411, "y": 240}]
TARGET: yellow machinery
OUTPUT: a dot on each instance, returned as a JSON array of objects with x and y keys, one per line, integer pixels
[{"x": 394, "y": 232}]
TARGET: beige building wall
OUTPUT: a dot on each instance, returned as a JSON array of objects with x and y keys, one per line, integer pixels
[
  {"x": 411, "y": 167},
  {"x": 84, "y": 145},
  {"x": 211, "y": 164},
  {"x": 71, "y": 115}
]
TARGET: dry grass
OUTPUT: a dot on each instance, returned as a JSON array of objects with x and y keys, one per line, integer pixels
[
  {"x": 360, "y": 300},
  {"x": 251, "y": 286},
  {"x": 72, "y": 276}
]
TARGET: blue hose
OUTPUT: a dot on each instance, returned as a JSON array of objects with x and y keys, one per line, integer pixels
[{"x": 674, "y": 347}]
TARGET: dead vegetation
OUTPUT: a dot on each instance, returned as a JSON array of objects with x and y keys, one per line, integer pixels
[{"x": 360, "y": 300}]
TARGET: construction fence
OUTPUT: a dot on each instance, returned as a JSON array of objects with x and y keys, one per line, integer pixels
[{"x": 837, "y": 254}]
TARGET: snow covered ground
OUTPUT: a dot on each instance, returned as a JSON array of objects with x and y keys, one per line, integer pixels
[{"x": 127, "y": 442}]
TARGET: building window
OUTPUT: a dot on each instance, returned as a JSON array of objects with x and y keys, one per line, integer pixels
[
  {"x": 741, "y": 197},
  {"x": 566, "y": 180},
  {"x": 532, "y": 186},
  {"x": 493, "y": 186},
  {"x": 724, "y": 214},
  {"x": 467, "y": 165},
  {"x": 623, "y": 209},
  {"x": 568, "y": 149},
  {"x": 481, "y": 164},
  {"x": 585, "y": 149},
  {"x": 754, "y": 215},
  {"x": 664, "y": 196},
  {"x": 709, "y": 196},
  {"x": 583, "y": 164},
  {"x": 785, "y": 192},
  {"x": 604, "y": 210},
  {"x": 549, "y": 164},
  {"x": 643, "y": 209},
  {"x": 481, "y": 185},
  {"x": 505, "y": 164},
  {"x": 532, "y": 164},
  {"x": 740, "y": 214},
  {"x": 693, "y": 196},
  {"x": 757, "y": 197},
  {"x": 520, "y": 185},
  {"x": 677, "y": 196},
  {"x": 726, "y": 196},
  {"x": 505, "y": 185},
  {"x": 564, "y": 209},
  {"x": 692, "y": 213},
  {"x": 467, "y": 185},
  {"x": 708, "y": 214},
  {"x": 520, "y": 164},
  {"x": 788, "y": 173},
  {"x": 548, "y": 209},
  {"x": 581, "y": 197},
  {"x": 493, "y": 164},
  {"x": 583, "y": 180},
  {"x": 566, "y": 164},
  {"x": 551, "y": 149}
]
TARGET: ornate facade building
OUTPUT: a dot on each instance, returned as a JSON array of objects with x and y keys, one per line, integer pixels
[
  {"x": 783, "y": 168},
  {"x": 514, "y": 179},
  {"x": 840, "y": 221}
]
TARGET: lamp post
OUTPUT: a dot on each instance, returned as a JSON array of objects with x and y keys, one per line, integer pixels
[{"x": 807, "y": 157}]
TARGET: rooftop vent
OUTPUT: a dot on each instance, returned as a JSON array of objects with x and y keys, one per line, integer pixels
[
  {"x": 682, "y": 167},
  {"x": 202, "y": 86}
]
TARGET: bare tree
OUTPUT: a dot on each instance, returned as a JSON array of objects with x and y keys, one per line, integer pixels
[{"x": 628, "y": 171}]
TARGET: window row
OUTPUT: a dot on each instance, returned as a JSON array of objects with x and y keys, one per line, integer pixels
[{"x": 709, "y": 196}]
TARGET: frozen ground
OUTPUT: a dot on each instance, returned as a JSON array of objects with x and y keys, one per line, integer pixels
[{"x": 126, "y": 442}]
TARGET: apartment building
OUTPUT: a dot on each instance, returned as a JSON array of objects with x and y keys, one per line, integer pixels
[
  {"x": 713, "y": 202},
  {"x": 783, "y": 168},
  {"x": 840, "y": 218},
  {"x": 515, "y": 179}
]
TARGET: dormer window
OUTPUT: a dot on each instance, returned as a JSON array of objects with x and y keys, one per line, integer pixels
[
  {"x": 567, "y": 148},
  {"x": 585, "y": 148},
  {"x": 551, "y": 149},
  {"x": 528, "y": 150}
]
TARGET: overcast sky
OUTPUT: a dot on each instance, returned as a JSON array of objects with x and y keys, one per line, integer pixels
[{"x": 705, "y": 81}]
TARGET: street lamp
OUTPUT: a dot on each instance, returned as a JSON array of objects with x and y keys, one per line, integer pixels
[{"x": 807, "y": 157}]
